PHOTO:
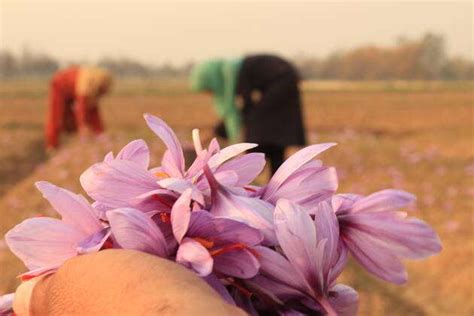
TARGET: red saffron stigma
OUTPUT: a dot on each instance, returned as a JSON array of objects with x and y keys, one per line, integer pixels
[
  {"x": 226, "y": 249},
  {"x": 158, "y": 198},
  {"x": 108, "y": 244},
  {"x": 242, "y": 289},
  {"x": 250, "y": 189}
]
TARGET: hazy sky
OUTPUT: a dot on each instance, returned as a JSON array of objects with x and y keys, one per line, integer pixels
[{"x": 171, "y": 31}]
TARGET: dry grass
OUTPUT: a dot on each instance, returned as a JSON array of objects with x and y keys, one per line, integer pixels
[{"x": 420, "y": 141}]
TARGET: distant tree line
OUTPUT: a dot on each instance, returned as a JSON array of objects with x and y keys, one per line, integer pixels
[
  {"x": 26, "y": 64},
  {"x": 421, "y": 59},
  {"x": 30, "y": 64}
]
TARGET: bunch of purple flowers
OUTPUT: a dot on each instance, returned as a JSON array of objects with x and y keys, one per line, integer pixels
[{"x": 276, "y": 248}]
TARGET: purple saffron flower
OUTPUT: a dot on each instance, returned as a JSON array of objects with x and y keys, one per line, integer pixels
[
  {"x": 379, "y": 236},
  {"x": 43, "y": 244},
  {"x": 314, "y": 259},
  {"x": 239, "y": 171},
  {"x": 126, "y": 181},
  {"x": 212, "y": 244},
  {"x": 229, "y": 203},
  {"x": 301, "y": 180},
  {"x": 172, "y": 164},
  {"x": 119, "y": 182}
]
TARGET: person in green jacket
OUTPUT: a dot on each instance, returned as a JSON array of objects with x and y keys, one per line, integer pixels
[
  {"x": 219, "y": 77},
  {"x": 271, "y": 103}
]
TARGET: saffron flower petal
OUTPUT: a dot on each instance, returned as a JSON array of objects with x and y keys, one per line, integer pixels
[
  {"x": 379, "y": 236},
  {"x": 291, "y": 165},
  {"x": 247, "y": 167},
  {"x": 344, "y": 300},
  {"x": 133, "y": 229},
  {"x": 254, "y": 212},
  {"x": 136, "y": 151},
  {"x": 173, "y": 160},
  {"x": 74, "y": 209},
  {"x": 44, "y": 242},
  {"x": 117, "y": 182},
  {"x": 181, "y": 215},
  {"x": 195, "y": 256},
  {"x": 240, "y": 263}
]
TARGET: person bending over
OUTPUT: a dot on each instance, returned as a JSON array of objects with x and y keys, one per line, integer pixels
[
  {"x": 268, "y": 87},
  {"x": 74, "y": 96}
]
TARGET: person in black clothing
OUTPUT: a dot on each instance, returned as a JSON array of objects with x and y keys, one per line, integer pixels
[{"x": 271, "y": 112}]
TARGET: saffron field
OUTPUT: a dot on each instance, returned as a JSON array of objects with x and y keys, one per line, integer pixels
[{"x": 417, "y": 137}]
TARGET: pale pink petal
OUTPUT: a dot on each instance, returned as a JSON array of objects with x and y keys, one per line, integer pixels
[
  {"x": 374, "y": 256},
  {"x": 94, "y": 242},
  {"x": 74, "y": 209},
  {"x": 37, "y": 272},
  {"x": 327, "y": 227},
  {"x": 133, "y": 229},
  {"x": 274, "y": 266},
  {"x": 180, "y": 185},
  {"x": 385, "y": 200},
  {"x": 193, "y": 255},
  {"x": 44, "y": 242},
  {"x": 247, "y": 167},
  {"x": 254, "y": 212},
  {"x": 117, "y": 182},
  {"x": 181, "y": 215},
  {"x": 296, "y": 234},
  {"x": 307, "y": 188},
  {"x": 239, "y": 263},
  {"x": 160, "y": 200},
  {"x": 109, "y": 157},
  {"x": 136, "y": 151},
  {"x": 291, "y": 165},
  {"x": 344, "y": 300},
  {"x": 228, "y": 153},
  {"x": 174, "y": 161},
  {"x": 406, "y": 237}
]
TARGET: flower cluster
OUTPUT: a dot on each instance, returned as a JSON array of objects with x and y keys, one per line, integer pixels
[{"x": 274, "y": 248}]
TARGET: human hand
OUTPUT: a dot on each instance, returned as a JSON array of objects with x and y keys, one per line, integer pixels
[{"x": 121, "y": 282}]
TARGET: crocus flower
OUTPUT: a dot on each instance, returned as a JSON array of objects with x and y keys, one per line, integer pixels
[
  {"x": 233, "y": 171},
  {"x": 229, "y": 203},
  {"x": 43, "y": 244},
  {"x": 379, "y": 236},
  {"x": 301, "y": 180},
  {"x": 126, "y": 180},
  {"x": 208, "y": 243},
  {"x": 277, "y": 248},
  {"x": 121, "y": 181},
  {"x": 314, "y": 259}
]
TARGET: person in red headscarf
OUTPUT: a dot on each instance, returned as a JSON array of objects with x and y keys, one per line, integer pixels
[{"x": 73, "y": 102}]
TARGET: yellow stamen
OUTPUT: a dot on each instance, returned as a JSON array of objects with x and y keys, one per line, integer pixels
[{"x": 161, "y": 174}]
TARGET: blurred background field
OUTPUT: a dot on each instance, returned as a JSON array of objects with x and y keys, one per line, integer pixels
[{"x": 411, "y": 135}]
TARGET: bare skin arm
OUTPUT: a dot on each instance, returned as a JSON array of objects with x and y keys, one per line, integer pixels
[{"x": 125, "y": 282}]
